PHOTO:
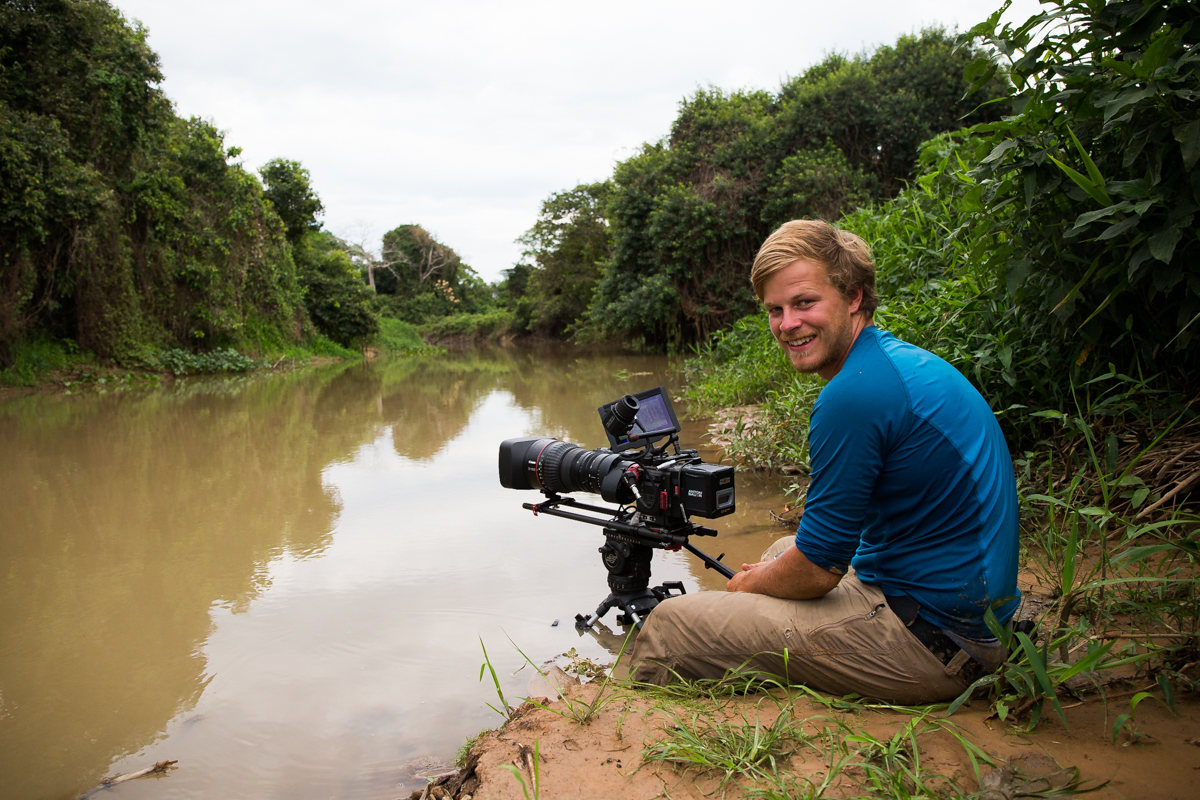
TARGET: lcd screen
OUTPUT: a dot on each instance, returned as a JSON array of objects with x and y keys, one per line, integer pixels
[{"x": 653, "y": 415}]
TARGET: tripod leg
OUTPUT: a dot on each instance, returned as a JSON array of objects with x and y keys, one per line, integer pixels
[{"x": 582, "y": 623}]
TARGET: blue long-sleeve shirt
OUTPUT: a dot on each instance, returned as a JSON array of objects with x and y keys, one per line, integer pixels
[{"x": 912, "y": 483}]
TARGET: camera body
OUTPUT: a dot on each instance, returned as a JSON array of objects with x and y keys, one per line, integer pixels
[
  {"x": 656, "y": 493},
  {"x": 669, "y": 488},
  {"x": 664, "y": 488}
]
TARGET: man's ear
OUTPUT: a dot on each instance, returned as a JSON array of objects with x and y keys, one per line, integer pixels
[{"x": 856, "y": 300}]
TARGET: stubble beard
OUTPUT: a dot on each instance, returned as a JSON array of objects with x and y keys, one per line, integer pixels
[{"x": 835, "y": 342}]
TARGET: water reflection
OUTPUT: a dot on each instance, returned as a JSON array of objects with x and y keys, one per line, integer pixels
[{"x": 282, "y": 581}]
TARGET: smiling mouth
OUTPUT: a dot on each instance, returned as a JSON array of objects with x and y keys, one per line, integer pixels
[{"x": 799, "y": 343}]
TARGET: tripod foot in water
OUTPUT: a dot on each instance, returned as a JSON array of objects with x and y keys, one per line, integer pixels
[{"x": 635, "y": 606}]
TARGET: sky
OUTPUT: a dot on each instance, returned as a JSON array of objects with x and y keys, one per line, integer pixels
[{"x": 463, "y": 116}]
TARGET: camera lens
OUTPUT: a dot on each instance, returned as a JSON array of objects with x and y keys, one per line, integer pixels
[{"x": 556, "y": 466}]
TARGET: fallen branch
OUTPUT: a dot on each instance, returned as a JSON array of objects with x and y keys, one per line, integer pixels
[
  {"x": 161, "y": 766},
  {"x": 1182, "y": 486}
]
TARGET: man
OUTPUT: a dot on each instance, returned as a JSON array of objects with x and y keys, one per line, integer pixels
[{"x": 910, "y": 526}]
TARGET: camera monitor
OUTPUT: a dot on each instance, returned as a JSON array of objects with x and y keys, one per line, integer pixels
[{"x": 655, "y": 419}]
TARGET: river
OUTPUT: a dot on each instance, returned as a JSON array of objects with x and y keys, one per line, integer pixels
[{"x": 282, "y": 581}]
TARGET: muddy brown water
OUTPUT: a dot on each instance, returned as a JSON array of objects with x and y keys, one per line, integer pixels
[{"x": 282, "y": 581}]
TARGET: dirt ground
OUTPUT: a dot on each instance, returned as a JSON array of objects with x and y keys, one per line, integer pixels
[{"x": 604, "y": 757}]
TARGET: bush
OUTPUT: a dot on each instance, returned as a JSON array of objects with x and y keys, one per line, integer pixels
[
  {"x": 33, "y": 358},
  {"x": 397, "y": 336},
  {"x": 489, "y": 325},
  {"x": 181, "y": 362}
]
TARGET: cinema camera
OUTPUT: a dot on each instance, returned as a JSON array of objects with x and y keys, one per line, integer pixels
[{"x": 656, "y": 492}]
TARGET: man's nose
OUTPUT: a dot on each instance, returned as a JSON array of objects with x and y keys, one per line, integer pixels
[{"x": 791, "y": 320}]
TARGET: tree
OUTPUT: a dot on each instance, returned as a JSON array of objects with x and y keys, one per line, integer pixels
[
  {"x": 421, "y": 278},
  {"x": 338, "y": 301},
  {"x": 288, "y": 186},
  {"x": 122, "y": 225},
  {"x": 569, "y": 244}
]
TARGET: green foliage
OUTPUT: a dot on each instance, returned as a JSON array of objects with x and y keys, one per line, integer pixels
[
  {"x": 420, "y": 279},
  {"x": 569, "y": 244},
  {"x": 322, "y": 346},
  {"x": 396, "y": 336},
  {"x": 464, "y": 750},
  {"x": 505, "y": 709},
  {"x": 1084, "y": 201},
  {"x": 486, "y": 326},
  {"x": 750, "y": 750},
  {"x": 288, "y": 187},
  {"x": 122, "y": 226},
  {"x": 535, "y": 759},
  {"x": 688, "y": 214},
  {"x": 181, "y": 362},
  {"x": 34, "y": 358},
  {"x": 736, "y": 367},
  {"x": 338, "y": 302}
]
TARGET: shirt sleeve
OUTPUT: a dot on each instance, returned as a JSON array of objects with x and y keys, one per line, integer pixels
[{"x": 846, "y": 446}]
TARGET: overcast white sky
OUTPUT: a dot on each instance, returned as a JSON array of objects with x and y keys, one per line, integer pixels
[{"x": 464, "y": 116}]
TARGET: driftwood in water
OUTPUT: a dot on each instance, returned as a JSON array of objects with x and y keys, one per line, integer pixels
[{"x": 161, "y": 766}]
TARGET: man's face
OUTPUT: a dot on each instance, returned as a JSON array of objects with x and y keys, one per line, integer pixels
[{"x": 810, "y": 319}]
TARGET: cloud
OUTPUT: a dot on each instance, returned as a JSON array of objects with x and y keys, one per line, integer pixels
[{"x": 464, "y": 116}]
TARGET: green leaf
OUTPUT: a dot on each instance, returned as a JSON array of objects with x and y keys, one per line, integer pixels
[
  {"x": 1093, "y": 171},
  {"x": 1095, "y": 192},
  {"x": 1116, "y": 229},
  {"x": 1128, "y": 98},
  {"x": 1075, "y": 289},
  {"x": 1036, "y": 663},
  {"x": 1188, "y": 136},
  {"x": 1118, "y": 725},
  {"x": 1162, "y": 244},
  {"x": 1164, "y": 684},
  {"x": 999, "y": 150},
  {"x": 1139, "y": 497},
  {"x": 1156, "y": 55}
]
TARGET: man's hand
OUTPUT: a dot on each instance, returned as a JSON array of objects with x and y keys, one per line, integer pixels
[{"x": 791, "y": 577}]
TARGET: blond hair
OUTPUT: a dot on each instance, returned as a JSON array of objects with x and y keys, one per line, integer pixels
[{"x": 845, "y": 257}]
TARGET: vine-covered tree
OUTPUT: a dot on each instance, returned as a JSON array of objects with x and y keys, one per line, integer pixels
[
  {"x": 123, "y": 226},
  {"x": 419, "y": 278}
]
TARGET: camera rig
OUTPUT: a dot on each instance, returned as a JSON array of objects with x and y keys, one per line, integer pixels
[{"x": 656, "y": 493}]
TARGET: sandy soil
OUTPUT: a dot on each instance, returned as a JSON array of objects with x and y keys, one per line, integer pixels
[{"x": 604, "y": 757}]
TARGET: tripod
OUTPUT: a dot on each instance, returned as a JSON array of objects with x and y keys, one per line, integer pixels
[
  {"x": 626, "y": 552},
  {"x": 628, "y": 563}
]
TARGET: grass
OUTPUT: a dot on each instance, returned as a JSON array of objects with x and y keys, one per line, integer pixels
[
  {"x": 749, "y": 750},
  {"x": 464, "y": 750},
  {"x": 35, "y": 358},
  {"x": 403, "y": 338}
]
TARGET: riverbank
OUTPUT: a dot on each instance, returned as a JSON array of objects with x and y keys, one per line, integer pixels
[
  {"x": 792, "y": 744},
  {"x": 1118, "y": 735}
]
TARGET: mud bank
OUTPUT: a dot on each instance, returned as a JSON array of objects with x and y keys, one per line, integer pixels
[{"x": 830, "y": 749}]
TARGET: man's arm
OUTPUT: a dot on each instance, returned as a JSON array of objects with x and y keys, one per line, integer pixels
[{"x": 791, "y": 577}]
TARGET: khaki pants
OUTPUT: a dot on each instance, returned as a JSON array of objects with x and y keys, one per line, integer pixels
[{"x": 847, "y": 641}]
